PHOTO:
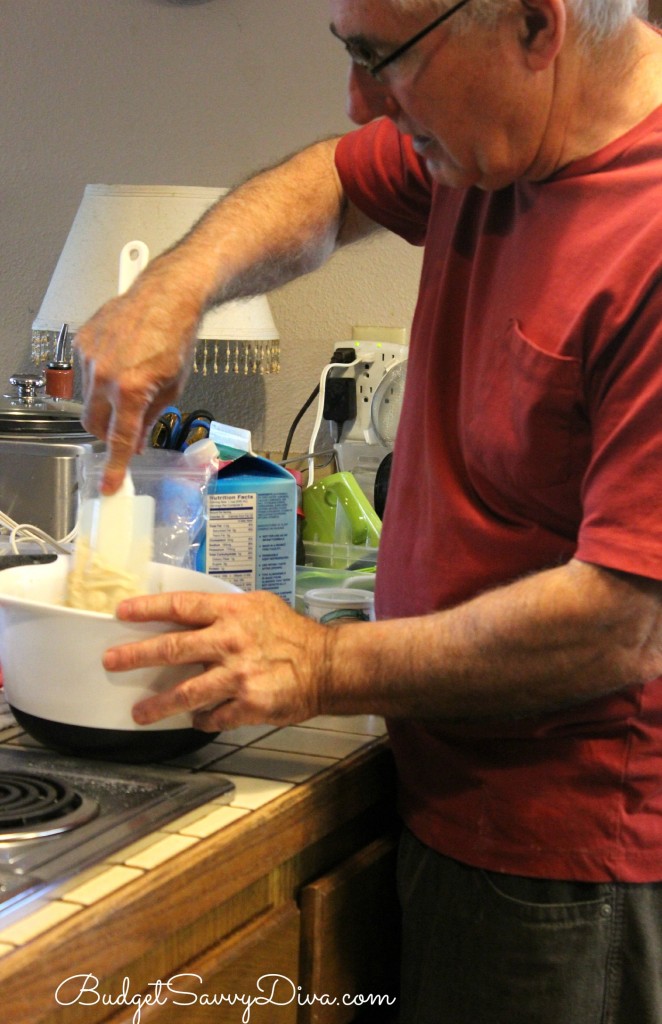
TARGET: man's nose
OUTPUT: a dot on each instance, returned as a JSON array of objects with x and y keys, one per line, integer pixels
[{"x": 367, "y": 98}]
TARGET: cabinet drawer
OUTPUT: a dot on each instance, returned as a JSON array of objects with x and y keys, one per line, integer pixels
[
  {"x": 268, "y": 946},
  {"x": 350, "y": 941}
]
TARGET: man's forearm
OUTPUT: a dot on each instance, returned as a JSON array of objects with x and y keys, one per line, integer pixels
[
  {"x": 554, "y": 639},
  {"x": 135, "y": 352},
  {"x": 283, "y": 222}
]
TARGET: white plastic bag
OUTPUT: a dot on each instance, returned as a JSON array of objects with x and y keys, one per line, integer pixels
[{"x": 178, "y": 483}]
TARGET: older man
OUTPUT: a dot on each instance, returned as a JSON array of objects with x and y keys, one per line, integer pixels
[{"x": 518, "y": 650}]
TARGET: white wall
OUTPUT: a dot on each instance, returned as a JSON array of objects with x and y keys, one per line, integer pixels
[{"x": 147, "y": 92}]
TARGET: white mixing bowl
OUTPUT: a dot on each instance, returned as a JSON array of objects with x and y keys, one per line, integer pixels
[{"x": 54, "y": 679}]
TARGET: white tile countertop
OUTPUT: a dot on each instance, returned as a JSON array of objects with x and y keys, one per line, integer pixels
[{"x": 262, "y": 762}]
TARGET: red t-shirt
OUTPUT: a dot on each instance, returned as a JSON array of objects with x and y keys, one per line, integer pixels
[{"x": 530, "y": 433}]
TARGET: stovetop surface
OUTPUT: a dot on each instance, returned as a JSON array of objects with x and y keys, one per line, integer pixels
[{"x": 123, "y": 804}]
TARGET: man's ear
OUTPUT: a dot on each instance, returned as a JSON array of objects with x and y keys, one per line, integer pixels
[{"x": 543, "y": 27}]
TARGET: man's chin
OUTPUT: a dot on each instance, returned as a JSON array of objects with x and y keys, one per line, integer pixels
[
  {"x": 450, "y": 175},
  {"x": 444, "y": 173},
  {"x": 442, "y": 169}
]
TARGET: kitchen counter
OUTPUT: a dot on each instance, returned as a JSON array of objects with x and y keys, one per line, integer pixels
[{"x": 268, "y": 883}]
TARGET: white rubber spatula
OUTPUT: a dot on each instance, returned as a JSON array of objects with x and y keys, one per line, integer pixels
[
  {"x": 114, "y": 549},
  {"x": 115, "y": 541}
]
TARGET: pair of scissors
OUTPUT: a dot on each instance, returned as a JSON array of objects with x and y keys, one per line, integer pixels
[{"x": 176, "y": 430}]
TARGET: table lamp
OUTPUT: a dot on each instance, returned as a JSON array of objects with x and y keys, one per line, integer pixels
[{"x": 117, "y": 229}]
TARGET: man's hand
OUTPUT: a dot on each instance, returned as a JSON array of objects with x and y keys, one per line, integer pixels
[
  {"x": 262, "y": 662},
  {"x": 135, "y": 357}
]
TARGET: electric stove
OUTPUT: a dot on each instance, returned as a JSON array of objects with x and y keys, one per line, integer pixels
[{"x": 62, "y": 814}]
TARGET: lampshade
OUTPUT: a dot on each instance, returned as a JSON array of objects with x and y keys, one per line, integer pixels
[{"x": 116, "y": 230}]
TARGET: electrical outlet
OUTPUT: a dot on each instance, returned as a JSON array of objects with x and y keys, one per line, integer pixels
[{"x": 390, "y": 335}]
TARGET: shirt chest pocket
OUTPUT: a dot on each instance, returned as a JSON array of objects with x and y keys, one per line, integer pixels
[{"x": 522, "y": 421}]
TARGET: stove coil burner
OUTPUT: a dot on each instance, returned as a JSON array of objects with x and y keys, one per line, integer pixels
[{"x": 36, "y": 806}]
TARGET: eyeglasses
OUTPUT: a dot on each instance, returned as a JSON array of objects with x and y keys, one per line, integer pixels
[{"x": 363, "y": 58}]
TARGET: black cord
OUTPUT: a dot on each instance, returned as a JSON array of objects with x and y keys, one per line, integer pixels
[
  {"x": 297, "y": 419},
  {"x": 344, "y": 354}
]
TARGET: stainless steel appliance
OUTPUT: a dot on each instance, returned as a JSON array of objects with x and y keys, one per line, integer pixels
[
  {"x": 41, "y": 439},
  {"x": 60, "y": 815}
]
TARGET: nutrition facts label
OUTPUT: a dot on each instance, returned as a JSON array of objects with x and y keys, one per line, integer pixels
[{"x": 231, "y": 538}]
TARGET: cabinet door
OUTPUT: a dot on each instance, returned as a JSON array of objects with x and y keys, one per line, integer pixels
[
  {"x": 259, "y": 961},
  {"x": 350, "y": 939}
]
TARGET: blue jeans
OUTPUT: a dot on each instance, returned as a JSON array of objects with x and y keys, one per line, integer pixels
[{"x": 485, "y": 948}]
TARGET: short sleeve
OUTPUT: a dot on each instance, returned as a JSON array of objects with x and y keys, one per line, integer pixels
[{"x": 384, "y": 178}]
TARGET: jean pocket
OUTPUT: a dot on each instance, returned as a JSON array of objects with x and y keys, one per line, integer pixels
[
  {"x": 545, "y": 947},
  {"x": 537, "y": 899}
]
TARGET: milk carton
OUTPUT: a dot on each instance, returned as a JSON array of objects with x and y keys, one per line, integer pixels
[{"x": 251, "y": 518}]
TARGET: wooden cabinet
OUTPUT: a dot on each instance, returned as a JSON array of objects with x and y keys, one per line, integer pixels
[
  {"x": 302, "y": 888},
  {"x": 254, "y": 970},
  {"x": 323, "y": 961},
  {"x": 350, "y": 938}
]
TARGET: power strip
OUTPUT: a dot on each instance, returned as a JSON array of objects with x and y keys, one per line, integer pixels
[{"x": 372, "y": 360}]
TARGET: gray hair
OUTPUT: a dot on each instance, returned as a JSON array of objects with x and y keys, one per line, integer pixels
[{"x": 597, "y": 19}]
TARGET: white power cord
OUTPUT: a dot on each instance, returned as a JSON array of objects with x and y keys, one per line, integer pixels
[
  {"x": 27, "y": 532},
  {"x": 331, "y": 369}
]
